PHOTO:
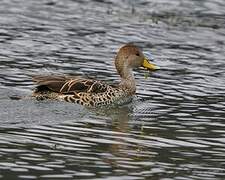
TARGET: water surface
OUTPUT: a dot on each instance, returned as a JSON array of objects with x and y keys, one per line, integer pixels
[{"x": 173, "y": 129}]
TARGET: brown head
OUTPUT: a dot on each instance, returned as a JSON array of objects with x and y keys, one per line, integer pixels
[{"x": 130, "y": 57}]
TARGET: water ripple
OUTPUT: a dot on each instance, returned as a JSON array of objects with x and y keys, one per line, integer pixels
[{"x": 174, "y": 127}]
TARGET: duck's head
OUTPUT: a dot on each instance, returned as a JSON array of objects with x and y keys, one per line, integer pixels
[{"x": 130, "y": 57}]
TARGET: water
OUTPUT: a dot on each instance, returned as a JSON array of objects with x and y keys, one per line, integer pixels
[{"x": 174, "y": 128}]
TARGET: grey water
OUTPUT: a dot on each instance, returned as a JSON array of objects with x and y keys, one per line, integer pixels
[{"x": 173, "y": 129}]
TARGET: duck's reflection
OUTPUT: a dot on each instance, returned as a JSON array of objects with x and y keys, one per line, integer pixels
[{"x": 123, "y": 148}]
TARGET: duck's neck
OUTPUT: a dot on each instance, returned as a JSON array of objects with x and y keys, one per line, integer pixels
[{"x": 128, "y": 81}]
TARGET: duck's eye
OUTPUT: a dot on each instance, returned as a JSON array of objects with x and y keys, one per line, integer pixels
[{"x": 137, "y": 54}]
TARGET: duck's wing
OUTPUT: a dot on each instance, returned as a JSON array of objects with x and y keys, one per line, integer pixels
[{"x": 68, "y": 84}]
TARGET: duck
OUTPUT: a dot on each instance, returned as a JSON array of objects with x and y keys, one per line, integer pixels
[{"x": 91, "y": 92}]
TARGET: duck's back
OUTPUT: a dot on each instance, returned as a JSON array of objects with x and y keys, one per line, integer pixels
[{"x": 77, "y": 90}]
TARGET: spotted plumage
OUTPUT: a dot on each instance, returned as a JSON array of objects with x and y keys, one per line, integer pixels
[{"x": 94, "y": 93}]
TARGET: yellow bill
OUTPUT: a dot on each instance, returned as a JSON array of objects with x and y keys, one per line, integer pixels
[{"x": 146, "y": 64}]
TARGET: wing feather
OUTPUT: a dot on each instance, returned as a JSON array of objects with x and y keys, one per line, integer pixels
[{"x": 68, "y": 84}]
